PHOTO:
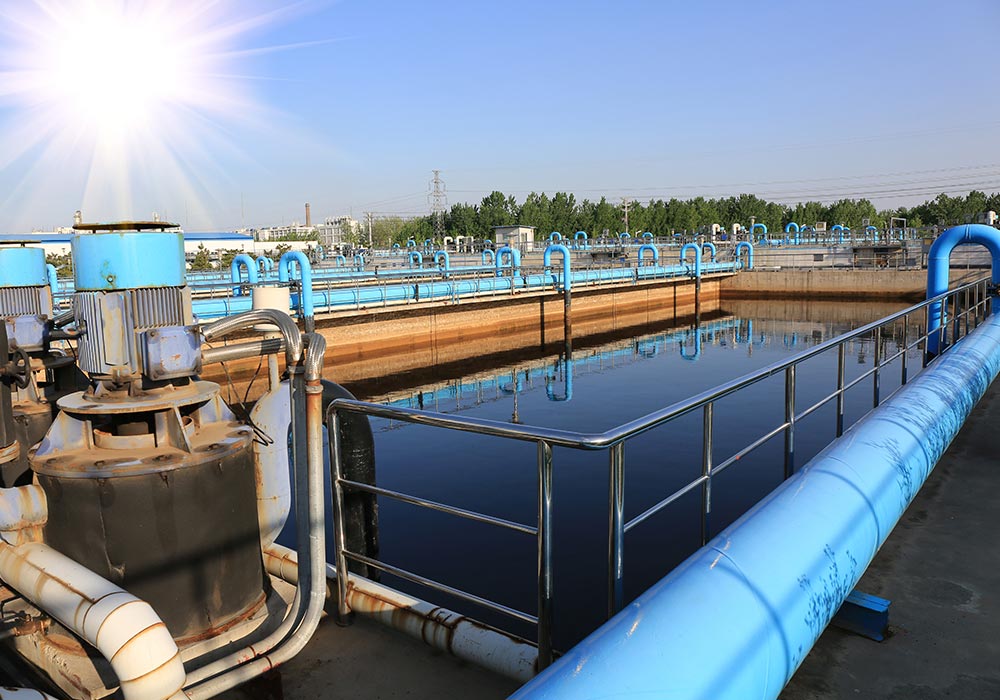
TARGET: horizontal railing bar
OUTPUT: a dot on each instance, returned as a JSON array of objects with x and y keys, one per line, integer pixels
[
  {"x": 443, "y": 508},
  {"x": 816, "y": 406},
  {"x": 749, "y": 448},
  {"x": 442, "y": 588},
  {"x": 598, "y": 441},
  {"x": 645, "y": 515}
]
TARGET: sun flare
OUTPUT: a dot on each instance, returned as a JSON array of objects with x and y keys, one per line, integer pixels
[{"x": 123, "y": 100}]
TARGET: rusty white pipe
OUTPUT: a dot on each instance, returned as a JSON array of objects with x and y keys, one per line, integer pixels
[
  {"x": 123, "y": 628},
  {"x": 442, "y": 629},
  {"x": 254, "y": 660},
  {"x": 22, "y": 507}
]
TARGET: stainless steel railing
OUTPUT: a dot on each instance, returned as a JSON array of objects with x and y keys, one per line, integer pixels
[{"x": 963, "y": 308}]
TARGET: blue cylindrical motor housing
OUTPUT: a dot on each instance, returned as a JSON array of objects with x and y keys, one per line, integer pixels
[
  {"x": 22, "y": 267},
  {"x": 127, "y": 260}
]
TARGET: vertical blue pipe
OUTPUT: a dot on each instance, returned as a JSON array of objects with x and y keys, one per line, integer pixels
[
  {"x": 567, "y": 278},
  {"x": 488, "y": 256},
  {"x": 416, "y": 257},
  {"x": 242, "y": 260},
  {"x": 442, "y": 255},
  {"x": 711, "y": 249},
  {"x": 697, "y": 256},
  {"x": 359, "y": 262},
  {"x": 53, "y": 277},
  {"x": 763, "y": 238},
  {"x": 840, "y": 230},
  {"x": 938, "y": 261},
  {"x": 411, "y": 243},
  {"x": 653, "y": 249},
  {"x": 748, "y": 247},
  {"x": 515, "y": 257},
  {"x": 295, "y": 257},
  {"x": 340, "y": 260}
]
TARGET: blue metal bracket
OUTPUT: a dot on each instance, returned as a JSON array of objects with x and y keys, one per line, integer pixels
[{"x": 864, "y": 614}]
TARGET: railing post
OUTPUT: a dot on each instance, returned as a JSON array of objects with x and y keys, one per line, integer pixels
[
  {"x": 906, "y": 349},
  {"x": 841, "y": 371},
  {"x": 339, "y": 536},
  {"x": 544, "y": 555},
  {"x": 927, "y": 332},
  {"x": 876, "y": 361},
  {"x": 790, "y": 420},
  {"x": 616, "y": 529},
  {"x": 706, "y": 471}
]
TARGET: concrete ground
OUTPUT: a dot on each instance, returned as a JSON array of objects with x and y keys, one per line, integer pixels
[{"x": 940, "y": 568}]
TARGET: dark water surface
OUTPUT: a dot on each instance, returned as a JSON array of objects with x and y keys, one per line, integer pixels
[{"x": 611, "y": 384}]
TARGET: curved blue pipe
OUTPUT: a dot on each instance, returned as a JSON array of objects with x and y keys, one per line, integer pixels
[
  {"x": 488, "y": 253},
  {"x": 647, "y": 234},
  {"x": 711, "y": 249},
  {"x": 295, "y": 257},
  {"x": 52, "y": 275},
  {"x": 567, "y": 278},
  {"x": 791, "y": 226},
  {"x": 697, "y": 256},
  {"x": 735, "y": 620},
  {"x": 395, "y": 246},
  {"x": 550, "y": 393},
  {"x": 555, "y": 236},
  {"x": 428, "y": 244},
  {"x": 938, "y": 260},
  {"x": 748, "y": 247},
  {"x": 874, "y": 232},
  {"x": 359, "y": 262},
  {"x": 340, "y": 260},
  {"x": 840, "y": 230},
  {"x": 411, "y": 243},
  {"x": 264, "y": 264},
  {"x": 763, "y": 237},
  {"x": 416, "y": 257},
  {"x": 242, "y": 260},
  {"x": 487, "y": 242},
  {"x": 650, "y": 247},
  {"x": 580, "y": 235},
  {"x": 442, "y": 255},
  {"x": 515, "y": 257}
]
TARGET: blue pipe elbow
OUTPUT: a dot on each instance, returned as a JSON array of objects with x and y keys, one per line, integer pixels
[
  {"x": 53, "y": 276},
  {"x": 515, "y": 260},
  {"x": 416, "y": 257},
  {"x": 442, "y": 257},
  {"x": 711, "y": 249},
  {"x": 244, "y": 261},
  {"x": 938, "y": 264},
  {"x": 748, "y": 247},
  {"x": 567, "y": 278},
  {"x": 697, "y": 256},
  {"x": 555, "y": 236},
  {"x": 305, "y": 273},
  {"x": 488, "y": 256},
  {"x": 652, "y": 249}
]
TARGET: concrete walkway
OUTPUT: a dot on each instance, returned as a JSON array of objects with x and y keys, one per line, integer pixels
[{"x": 940, "y": 568}]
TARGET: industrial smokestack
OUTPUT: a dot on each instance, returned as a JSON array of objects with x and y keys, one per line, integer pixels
[
  {"x": 308, "y": 216},
  {"x": 77, "y": 217}
]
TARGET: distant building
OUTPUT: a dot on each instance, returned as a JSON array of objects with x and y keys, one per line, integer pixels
[
  {"x": 332, "y": 233},
  {"x": 520, "y": 237}
]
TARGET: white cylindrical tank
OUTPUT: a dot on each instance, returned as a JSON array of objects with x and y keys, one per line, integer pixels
[{"x": 271, "y": 297}]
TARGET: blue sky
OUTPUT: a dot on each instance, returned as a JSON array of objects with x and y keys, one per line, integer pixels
[{"x": 792, "y": 100}]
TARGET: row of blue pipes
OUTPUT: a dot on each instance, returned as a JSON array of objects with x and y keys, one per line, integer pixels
[{"x": 506, "y": 276}]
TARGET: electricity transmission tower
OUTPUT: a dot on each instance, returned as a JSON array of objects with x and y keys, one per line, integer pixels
[{"x": 438, "y": 199}]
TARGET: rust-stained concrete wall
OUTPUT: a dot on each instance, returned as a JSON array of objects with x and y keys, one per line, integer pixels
[{"x": 910, "y": 285}]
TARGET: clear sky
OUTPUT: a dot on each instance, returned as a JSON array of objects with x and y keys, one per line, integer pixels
[{"x": 349, "y": 105}]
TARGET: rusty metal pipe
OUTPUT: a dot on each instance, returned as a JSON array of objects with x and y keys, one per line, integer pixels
[
  {"x": 289, "y": 330},
  {"x": 255, "y": 660},
  {"x": 442, "y": 629}
]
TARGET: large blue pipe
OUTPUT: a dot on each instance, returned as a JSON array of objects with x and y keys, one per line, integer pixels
[
  {"x": 653, "y": 249},
  {"x": 442, "y": 257},
  {"x": 555, "y": 236},
  {"x": 763, "y": 237},
  {"x": 488, "y": 253},
  {"x": 244, "y": 261},
  {"x": 416, "y": 257},
  {"x": 735, "y": 620},
  {"x": 697, "y": 256},
  {"x": 748, "y": 247},
  {"x": 938, "y": 268},
  {"x": 840, "y": 230},
  {"x": 285, "y": 262},
  {"x": 711, "y": 249},
  {"x": 567, "y": 278},
  {"x": 515, "y": 259},
  {"x": 53, "y": 276}
]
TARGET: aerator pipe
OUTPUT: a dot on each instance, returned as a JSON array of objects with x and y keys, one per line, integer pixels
[
  {"x": 555, "y": 236},
  {"x": 442, "y": 257},
  {"x": 652, "y": 249},
  {"x": 515, "y": 259},
  {"x": 567, "y": 278},
  {"x": 242, "y": 260},
  {"x": 53, "y": 277},
  {"x": 488, "y": 257},
  {"x": 743, "y": 611},
  {"x": 264, "y": 264},
  {"x": 697, "y": 256},
  {"x": 711, "y": 249},
  {"x": 938, "y": 264},
  {"x": 840, "y": 231},
  {"x": 416, "y": 257},
  {"x": 306, "y": 292},
  {"x": 340, "y": 260},
  {"x": 296, "y": 630},
  {"x": 743, "y": 245},
  {"x": 442, "y": 629}
]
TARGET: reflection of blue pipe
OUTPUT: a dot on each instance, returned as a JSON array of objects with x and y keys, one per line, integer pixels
[
  {"x": 938, "y": 259},
  {"x": 747, "y": 339},
  {"x": 711, "y": 249},
  {"x": 692, "y": 357},
  {"x": 53, "y": 276},
  {"x": 734, "y": 621},
  {"x": 697, "y": 256},
  {"x": 305, "y": 302},
  {"x": 652, "y": 248},
  {"x": 790, "y": 340},
  {"x": 567, "y": 368},
  {"x": 567, "y": 278},
  {"x": 515, "y": 256},
  {"x": 242, "y": 260},
  {"x": 442, "y": 255},
  {"x": 488, "y": 256},
  {"x": 416, "y": 257},
  {"x": 748, "y": 247},
  {"x": 555, "y": 236}
]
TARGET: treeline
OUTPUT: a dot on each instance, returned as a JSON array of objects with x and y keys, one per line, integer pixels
[{"x": 562, "y": 212}]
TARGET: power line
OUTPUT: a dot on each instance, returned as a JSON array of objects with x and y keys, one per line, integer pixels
[{"x": 438, "y": 200}]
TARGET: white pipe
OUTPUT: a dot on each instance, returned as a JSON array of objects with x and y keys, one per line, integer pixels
[
  {"x": 125, "y": 629},
  {"x": 272, "y": 415},
  {"x": 442, "y": 629}
]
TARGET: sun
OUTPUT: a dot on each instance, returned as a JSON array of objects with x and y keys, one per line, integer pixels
[{"x": 126, "y": 101}]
